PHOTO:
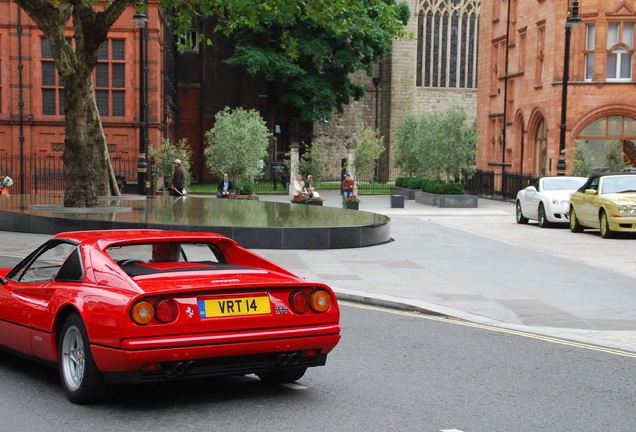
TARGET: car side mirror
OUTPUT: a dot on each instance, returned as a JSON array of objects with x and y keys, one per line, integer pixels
[
  {"x": 590, "y": 192},
  {"x": 531, "y": 189}
]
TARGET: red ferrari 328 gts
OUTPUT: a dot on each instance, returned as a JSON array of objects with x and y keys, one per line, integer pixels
[{"x": 129, "y": 306}]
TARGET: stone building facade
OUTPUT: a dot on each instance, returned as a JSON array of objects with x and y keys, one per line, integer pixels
[
  {"x": 521, "y": 75},
  {"x": 398, "y": 86},
  {"x": 414, "y": 79}
]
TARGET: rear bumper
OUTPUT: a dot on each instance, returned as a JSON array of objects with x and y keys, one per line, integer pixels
[
  {"x": 210, "y": 355},
  {"x": 220, "y": 366}
]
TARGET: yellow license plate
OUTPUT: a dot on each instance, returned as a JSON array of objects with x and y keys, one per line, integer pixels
[{"x": 210, "y": 308}]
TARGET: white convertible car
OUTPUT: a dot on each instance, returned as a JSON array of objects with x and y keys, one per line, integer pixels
[{"x": 547, "y": 200}]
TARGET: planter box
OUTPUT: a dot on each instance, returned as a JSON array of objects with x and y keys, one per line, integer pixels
[
  {"x": 351, "y": 205},
  {"x": 397, "y": 201},
  {"x": 316, "y": 203},
  {"x": 409, "y": 194},
  {"x": 446, "y": 201}
]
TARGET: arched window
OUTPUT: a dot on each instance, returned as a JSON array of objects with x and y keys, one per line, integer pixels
[
  {"x": 620, "y": 43},
  {"x": 541, "y": 150},
  {"x": 447, "y": 43},
  {"x": 592, "y": 139}
]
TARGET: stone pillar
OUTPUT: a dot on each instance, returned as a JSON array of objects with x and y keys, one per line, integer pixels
[
  {"x": 294, "y": 159},
  {"x": 351, "y": 170}
]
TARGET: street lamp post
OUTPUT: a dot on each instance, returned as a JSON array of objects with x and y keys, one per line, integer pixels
[
  {"x": 573, "y": 18},
  {"x": 140, "y": 20}
]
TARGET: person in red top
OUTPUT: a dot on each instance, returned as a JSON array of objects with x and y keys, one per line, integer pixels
[{"x": 347, "y": 186}]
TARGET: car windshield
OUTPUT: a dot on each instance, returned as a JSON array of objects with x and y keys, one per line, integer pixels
[
  {"x": 618, "y": 184},
  {"x": 165, "y": 252},
  {"x": 563, "y": 183}
]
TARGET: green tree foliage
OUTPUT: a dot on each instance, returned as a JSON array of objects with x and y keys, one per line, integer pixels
[
  {"x": 368, "y": 145},
  {"x": 407, "y": 146},
  {"x": 165, "y": 155},
  {"x": 87, "y": 169},
  {"x": 237, "y": 144},
  {"x": 314, "y": 159},
  {"x": 586, "y": 162},
  {"x": 315, "y": 75},
  {"x": 437, "y": 146}
]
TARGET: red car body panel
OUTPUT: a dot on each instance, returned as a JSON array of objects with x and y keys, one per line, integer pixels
[{"x": 31, "y": 315}]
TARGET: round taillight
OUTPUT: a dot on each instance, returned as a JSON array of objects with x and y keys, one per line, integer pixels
[
  {"x": 299, "y": 302},
  {"x": 320, "y": 301},
  {"x": 142, "y": 312},
  {"x": 165, "y": 310}
]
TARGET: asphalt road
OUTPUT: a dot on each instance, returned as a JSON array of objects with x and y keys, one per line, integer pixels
[{"x": 392, "y": 371}]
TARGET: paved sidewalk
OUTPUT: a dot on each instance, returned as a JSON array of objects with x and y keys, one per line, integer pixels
[{"x": 475, "y": 264}]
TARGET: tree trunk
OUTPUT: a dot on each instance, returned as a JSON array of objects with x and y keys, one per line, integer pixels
[
  {"x": 86, "y": 163},
  {"x": 87, "y": 169}
]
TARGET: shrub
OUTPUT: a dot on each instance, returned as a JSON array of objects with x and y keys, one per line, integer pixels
[
  {"x": 442, "y": 188},
  {"x": 409, "y": 182},
  {"x": 237, "y": 145},
  {"x": 437, "y": 146}
]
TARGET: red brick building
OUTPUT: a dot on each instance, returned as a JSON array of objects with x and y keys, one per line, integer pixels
[
  {"x": 521, "y": 68},
  {"x": 31, "y": 94}
]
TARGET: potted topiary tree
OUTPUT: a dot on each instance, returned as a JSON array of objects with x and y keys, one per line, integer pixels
[{"x": 237, "y": 145}]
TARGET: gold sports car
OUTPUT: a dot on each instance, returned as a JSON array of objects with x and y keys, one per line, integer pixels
[{"x": 607, "y": 201}]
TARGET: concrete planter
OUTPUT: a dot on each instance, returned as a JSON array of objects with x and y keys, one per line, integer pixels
[
  {"x": 350, "y": 205},
  {"x": 316, "y": 203},
  {"x": 446, "y": 201},
  {"x": 409, "y": 194},
  {"x": 397, "y": 201}
]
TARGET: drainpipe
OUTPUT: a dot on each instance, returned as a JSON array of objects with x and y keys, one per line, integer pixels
[
  {"x": 21, "y": 102},
  {"x": 505, "y": 103}
]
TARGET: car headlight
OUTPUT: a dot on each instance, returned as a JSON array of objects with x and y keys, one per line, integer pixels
[
  {"x": 556, "y": 202},
  {"x": 627, "y": 209}
]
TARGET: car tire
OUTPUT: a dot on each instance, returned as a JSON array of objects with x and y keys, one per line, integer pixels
[
  {"x": 606, "y": 232},
  {"x": 519, "y": 214},
  {"x": 80, "y": 378},
  {"x": 575, "y": 226},
  {"x": 282, "y": 376},
  {"x": 543, "y": 220}
]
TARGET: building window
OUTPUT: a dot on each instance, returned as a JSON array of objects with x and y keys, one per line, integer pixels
[
  {"x": 592, "y": 139},
  {"x": 521, "y": 60},
  {"x": 447, "y": 44},
  {"x": 190, "y": 41},
  {"x": 620, "y": 43},
  {"x": 590, "y": 43},
  {"x": 541, "y": 150},
  {"x": 0, "y": 87},
  {"x": 110, "y": 79},
  {"x": 494, "y": 75},
  {"x": 540, "y": 54},
  {"x": 511, "y": 99},
  {"x": 52, "y": 89},
  {"x": 496, "y": 10},
  {"x": 512, "y": 30}
]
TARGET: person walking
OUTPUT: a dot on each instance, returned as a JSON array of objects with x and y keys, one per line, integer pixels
[{"x": 178, "y": 179}]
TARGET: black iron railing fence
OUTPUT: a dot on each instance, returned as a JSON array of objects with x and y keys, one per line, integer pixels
[
  {"x": 44, "y": 174},
  {"x": 496, "y": 185}
]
